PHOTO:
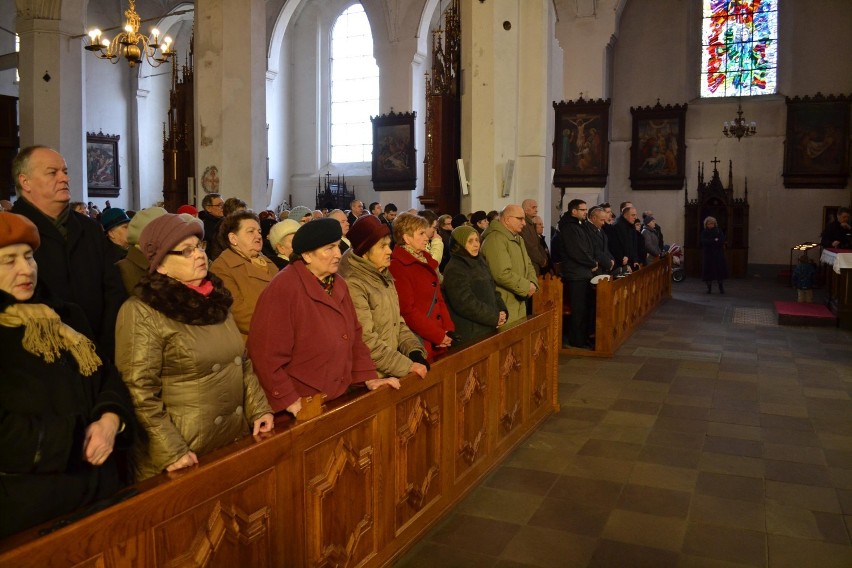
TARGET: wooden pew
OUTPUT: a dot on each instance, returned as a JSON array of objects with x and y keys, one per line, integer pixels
[
  {"x": 355, "y": 486},
  {"x": 623, "y": 304}
]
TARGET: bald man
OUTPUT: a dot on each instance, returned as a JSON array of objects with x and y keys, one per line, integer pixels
[{"x": 510, "y": 265}]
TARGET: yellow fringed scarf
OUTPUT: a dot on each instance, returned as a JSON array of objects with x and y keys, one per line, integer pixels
[
  {"x": 46, "y": 336},
  {"x": 258, "y": 260}
]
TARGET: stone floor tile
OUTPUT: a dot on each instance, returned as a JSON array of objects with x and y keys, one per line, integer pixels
[
  {"x": 804, "y": 474},
  {"x": 799, "y": 454},
  {"x": 712, "y": 510},
  {"x": 675, "y": 439},
  {"x": 733, "y": 446},
  {"x": 500, "y": 505},
  {"x": 839, "y": 458},
  {"x": 619, "y": 433},
  {"x": 654, "y": 501},
  {"x": 606, "y": 469},
  {"x": 785, "y": 422},
  {"x": 825, "y": 499},
  {"x": 682, "y": 424},
  {"x": 645, "y": 530},
  {"x": 845, "y": 497},
  {"x": 596, "y": 492},
  {"x": 546, "y": 548},
  {"x": 608, "y": 449},
  {"x": 577, "y": 516},
  {"x": 802, "y": 523},
  {"x": 475, "y": 534},
  {"x": 636, "y": 406},
  {"x": 674, "y": 457},
  {"x": 612, "y": 554},
  {"x": 726, "y": 543},
  {"x": 732, "y": 411},
  {"x": 665, "y": 477},
  {"x": 522, "y": 480},
  {"x": 790, "y": 552},
  {"x": 732, "y": 430},
  {"x": 730, "y": 486},
  {"x": 429, "y": 554},
  {"x": 790, "y": 436}
]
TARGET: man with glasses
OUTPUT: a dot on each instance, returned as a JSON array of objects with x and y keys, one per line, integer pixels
[
  {"x": 578, "y": 268},
  {"x": 510, "y": 265},
  {"x": 211, "y": 215}
]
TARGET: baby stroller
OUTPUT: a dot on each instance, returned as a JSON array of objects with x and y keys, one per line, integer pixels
[{"x": 678, "y": 272}]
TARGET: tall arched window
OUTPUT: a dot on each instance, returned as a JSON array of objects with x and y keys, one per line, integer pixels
[
  {"x": 739, "y": 47},
  {"x": 354, "y": 87}
]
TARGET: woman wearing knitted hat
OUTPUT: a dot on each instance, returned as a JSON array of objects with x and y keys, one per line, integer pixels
[
  {"x": 242, "y": 266},
  {"x": 62, "y": 409},
  {"x": 418, "y": 284},
  {"x": 475, "y": 306},
  {"x": 305, "y": 338},
  {"x": 181, "y": 354},
  {"x": 281, "y": 240},
  {"x": 135, "y": 265},
  {"x": 395, "y": 350}
]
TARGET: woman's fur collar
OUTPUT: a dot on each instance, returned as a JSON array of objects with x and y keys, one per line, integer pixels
[{"x": 183, "y": 304}]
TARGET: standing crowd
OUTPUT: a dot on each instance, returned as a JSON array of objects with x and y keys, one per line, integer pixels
[{"x": 166, "y": 336}]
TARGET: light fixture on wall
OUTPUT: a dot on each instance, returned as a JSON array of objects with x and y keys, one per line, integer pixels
[
  {"x": 130, "y": 44},
  {"x": 739, "y": 128}
]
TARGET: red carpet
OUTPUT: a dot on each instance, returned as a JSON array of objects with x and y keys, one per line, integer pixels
[{"x": 795, "y": 313}]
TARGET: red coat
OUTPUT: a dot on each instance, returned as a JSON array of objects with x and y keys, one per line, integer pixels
[
  {"x": 303, "y": 341},
  {"x": 416, "y": 285}
]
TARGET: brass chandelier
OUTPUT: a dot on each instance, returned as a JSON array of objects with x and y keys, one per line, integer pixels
[
  {"x": 130, "y": 44},
  {"x": 738, "y": 128}
]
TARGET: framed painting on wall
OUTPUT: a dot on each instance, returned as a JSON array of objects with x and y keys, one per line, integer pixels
[
  {"x": 394, "y": 165},
  {"x": 102, "y": 169},
  {"x": 581, "y": 143},
  {"x": 658, "y": 152},
  {"x": 816, "y": 151}
]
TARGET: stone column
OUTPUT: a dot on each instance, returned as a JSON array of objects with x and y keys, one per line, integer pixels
[
  {"x": 51, "y": 106},
  {"x": 504, "y": 101},
  {"x": 230, "y": 97}
]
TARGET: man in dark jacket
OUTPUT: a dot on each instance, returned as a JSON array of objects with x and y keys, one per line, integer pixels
[
  {"x": 213, "y": 209},
  {"x": 624, "y": 240},
  {"x": 72, "y": 259},
  {"x": 598, "y": 218},
  {"x": 578, "y": 267}
]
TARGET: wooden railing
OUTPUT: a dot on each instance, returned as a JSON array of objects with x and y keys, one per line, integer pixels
[
  {"x": 354, "y": 486},
  {"x": 623, "y": 304}
]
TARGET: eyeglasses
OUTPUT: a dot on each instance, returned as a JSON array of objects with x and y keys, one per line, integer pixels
[
  {"x": 188, "y": 251},
  {"x": 217, "y": 204},
  {"x": 518, "y": 218}
]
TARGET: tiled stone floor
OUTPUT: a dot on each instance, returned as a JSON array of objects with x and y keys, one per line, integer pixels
[{"x": 703, "y": 443}]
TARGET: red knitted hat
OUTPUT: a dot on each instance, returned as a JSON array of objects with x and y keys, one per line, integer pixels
[
  {"x": 365, "y": 232},
  {"x": 16, "y": 229}
]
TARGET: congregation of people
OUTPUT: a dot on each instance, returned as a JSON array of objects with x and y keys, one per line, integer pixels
[{"x": 138, "y": 342}]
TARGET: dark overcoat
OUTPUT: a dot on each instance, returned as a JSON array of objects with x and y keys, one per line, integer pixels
[
  {"x": 79, "y": 270},
  {"x": 44, "y": 411},
  {"x": 472, "y": 296},
  {"x": 713, "y": 264}
]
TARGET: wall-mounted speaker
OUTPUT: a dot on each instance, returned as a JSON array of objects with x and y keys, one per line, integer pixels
[
  {"x": 462, "y": 177},
  {"x": 508, "y": 175}
]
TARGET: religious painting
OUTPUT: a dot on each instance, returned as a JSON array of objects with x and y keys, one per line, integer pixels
[
  {"x": 394, "y": 164},
  {"x": 658, "y": 153},
  {"x": 102, "y": 170},
  {"x": 816, "y": 151},
  {"x": 581, "y": 143}
]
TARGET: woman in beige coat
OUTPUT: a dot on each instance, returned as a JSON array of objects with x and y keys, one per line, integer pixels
[
  {"x": 181, "y": 355},
  {"x": 394, "y": 348},
  {"x": 241, "y": 266}
]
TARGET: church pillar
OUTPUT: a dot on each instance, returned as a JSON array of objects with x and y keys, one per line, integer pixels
[
  {"x": 230, "y": 98},
  {"x": 51, "y": 106},
  {"x": 505, "y": 102}
]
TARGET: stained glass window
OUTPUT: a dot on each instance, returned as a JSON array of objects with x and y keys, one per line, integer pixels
[
  {"x": 354, "y": 87},
  {"x": 739, "y": 48}
]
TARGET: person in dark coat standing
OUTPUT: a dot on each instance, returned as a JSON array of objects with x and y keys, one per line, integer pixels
[
  {"x": 475, "y": 306},
  {"x": 213, "y": 210},
  {"x": 713, "y": 263},
  {"x": 578, "y": 268},
  {"x": 598, "y": 220},
  {"x": 624, "y": 240},
  {"x": 62, "y": 408},
  {"x": 73, "y": 257}
]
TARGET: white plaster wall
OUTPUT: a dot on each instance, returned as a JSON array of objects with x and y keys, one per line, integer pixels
[
  {"x": 8, "y": 85},
  {"x": 657, "y": 57}
]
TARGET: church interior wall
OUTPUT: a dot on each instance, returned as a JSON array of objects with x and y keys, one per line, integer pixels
[
  {"x": 656, "y": 56},
  {"x": 8, "y": 81}
]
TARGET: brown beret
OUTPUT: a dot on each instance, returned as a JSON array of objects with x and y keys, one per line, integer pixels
[
  {"x": 16, "y": 229},
  {"x": 163, "y": 233}
]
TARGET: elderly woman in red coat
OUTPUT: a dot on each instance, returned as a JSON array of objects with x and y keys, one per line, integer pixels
[
  {"x": 418, "y": 284},
  {"x": 304, "y": 337}
]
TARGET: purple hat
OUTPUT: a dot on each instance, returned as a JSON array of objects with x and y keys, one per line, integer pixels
[{"x": 163, "y": 233}]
